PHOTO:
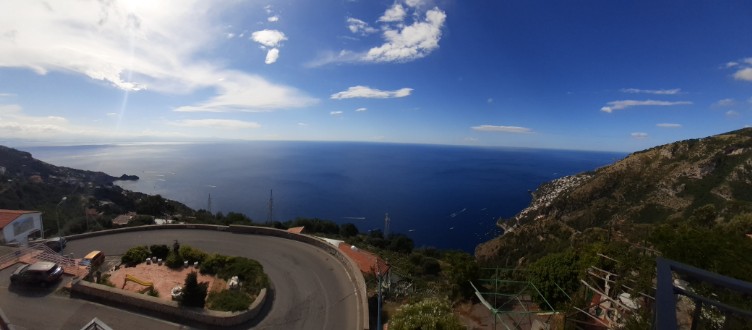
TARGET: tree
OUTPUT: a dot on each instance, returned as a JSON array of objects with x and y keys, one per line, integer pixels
[
  {"x": 555, "y": 271},
  {"x": 400, "y": 243},
  {"x": 431, "y": 313},
  {"x": 463, "y": 269},
  {"x": 194, "y": 293},
  {"x": 348, "y": 230}
]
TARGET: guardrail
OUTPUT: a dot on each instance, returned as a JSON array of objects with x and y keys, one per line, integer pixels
[{"x": 348, "y": 264}]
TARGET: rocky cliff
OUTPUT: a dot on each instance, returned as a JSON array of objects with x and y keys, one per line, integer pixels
[{"x": 708, "y": 179}]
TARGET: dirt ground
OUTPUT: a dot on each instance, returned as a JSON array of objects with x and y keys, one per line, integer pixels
[{"x": 163, "y": 277}]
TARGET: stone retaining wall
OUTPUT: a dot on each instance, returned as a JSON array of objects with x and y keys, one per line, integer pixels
[
  {"x": 167, "y": 309},
  {"x": 349, "y": 265}
]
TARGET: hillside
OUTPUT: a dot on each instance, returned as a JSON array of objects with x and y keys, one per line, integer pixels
[
  {"x": 91, "y": 201},
  {"x": 703, "y": 183}
]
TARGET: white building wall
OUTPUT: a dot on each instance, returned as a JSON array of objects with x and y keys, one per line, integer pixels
[{"x": 18, "y": 231}]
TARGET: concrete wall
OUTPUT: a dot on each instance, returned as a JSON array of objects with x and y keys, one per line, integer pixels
[
  {"x": 167, "y": 309},
  {"x": 349, "y": 265}
]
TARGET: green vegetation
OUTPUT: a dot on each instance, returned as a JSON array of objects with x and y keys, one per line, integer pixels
[
  {"x": 229, "y": 301},
  {"x": 426, "y": 314},
  {"x": 135, "y": 255},
  {"x": 194, "y": 293},
  {"x": 249, "y": 272}
]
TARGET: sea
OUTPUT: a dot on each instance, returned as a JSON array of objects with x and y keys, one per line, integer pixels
[{"x": 447, "y": 197}]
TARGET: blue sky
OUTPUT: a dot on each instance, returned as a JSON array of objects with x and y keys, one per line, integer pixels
[{"x": 586, "y": 75}]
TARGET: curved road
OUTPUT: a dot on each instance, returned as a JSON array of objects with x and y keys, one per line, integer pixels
[{"x": 312, "y": 289}]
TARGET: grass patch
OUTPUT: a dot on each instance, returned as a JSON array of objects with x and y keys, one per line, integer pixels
[{"x": 229, "y": 301}]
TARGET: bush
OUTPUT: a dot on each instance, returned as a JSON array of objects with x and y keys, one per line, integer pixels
[
  {"x": 152, "y": 292},
  {"x": 159, "y": 251},
  {"x": 426, "y": 314},
  {"x": 174, "y": 260},
  {"x": 229, "y": 301},
  {"x": 249, "y": 272},
  {"x": 191, "y": 254},
  {"x": 213, "y": 264},
  {"x": 135, "y": 255},
  {"x": 194, "y": 293}
]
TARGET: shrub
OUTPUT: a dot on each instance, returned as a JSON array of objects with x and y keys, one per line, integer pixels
[
  {"x": 229, "y": 301},
  {"x": 192, "y": 254},
  {"x": 194, "y": 293},
  {"x": 174, "y": 260},
  {"x": 426, "y": 314},
  {"x": 159, "y": 251},
  {"x": 152, "y": 292},
  {"x": 135, "y": 255},
  {"x": 213, "y": 264}
]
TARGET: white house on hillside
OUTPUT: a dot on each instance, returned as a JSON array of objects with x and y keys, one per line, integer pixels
[{"x": 18, "y": 225}]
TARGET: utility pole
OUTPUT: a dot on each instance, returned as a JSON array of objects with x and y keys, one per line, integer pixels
[
  {"x": 209, "y": 204},
  {"x": 57, "y": 213},
  {"x": 387, "y": 222},
  {"x": 270, "y": 220}
]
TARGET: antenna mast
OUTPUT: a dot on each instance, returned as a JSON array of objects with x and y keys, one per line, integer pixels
[
  {"x": 387, "y": 222},
  {"x": 271, "y": 207},
  {"x": 209, "y": 204}
]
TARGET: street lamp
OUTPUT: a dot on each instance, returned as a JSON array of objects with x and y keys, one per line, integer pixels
[{"x": 57, "y": 212}]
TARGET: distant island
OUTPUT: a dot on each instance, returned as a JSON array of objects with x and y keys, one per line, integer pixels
[{"x": 126, "y": 177}]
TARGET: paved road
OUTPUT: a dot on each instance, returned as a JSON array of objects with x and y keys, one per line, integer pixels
[{"x": 312, "y": 290}]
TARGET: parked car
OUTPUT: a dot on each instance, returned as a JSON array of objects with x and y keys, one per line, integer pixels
[
  {"x": 94, "y": 259},
  {"x": 57, "y": 244},
  {"x": 40, "y": 272}
]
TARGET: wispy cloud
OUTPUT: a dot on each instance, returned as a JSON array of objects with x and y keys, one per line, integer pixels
[
  {"x": 302, "y": 124},
  {"x": 673, "y": 91},
  {"x": 639, "y": 135},
  {"x": 624, "y": 104},
  {"x": 216, "y": 123},
  {"x": 669, "y": 125},
  {"x": 395, "y": 13},
  {"x": 503, "y": 129},
  {"x": 359, "y": 27},
  {"x": 271, "y": 39},
  {"x": 732, "y": 113},
  {"x": 273, "y": 19},
  {"x": 371, "y": 93},
  {"x": 743, "y": 69},
  {"x": 725, "y": 103},
  {"x": 133, "y": 45},
  {"x": 7, "y": 95},
  {"x": 361, "y": 110},
  {"x": 335, "y": 113}
]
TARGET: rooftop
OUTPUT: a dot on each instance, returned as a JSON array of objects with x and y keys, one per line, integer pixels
[{"x": 8, "y": 216}]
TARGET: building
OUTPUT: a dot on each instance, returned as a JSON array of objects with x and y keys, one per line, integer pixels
[{"x": 18, "y": 225}]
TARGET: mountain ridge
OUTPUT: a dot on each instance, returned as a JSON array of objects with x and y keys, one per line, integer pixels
[{"x": 672, "y": 183}]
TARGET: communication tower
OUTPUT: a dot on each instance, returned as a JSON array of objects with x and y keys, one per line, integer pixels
[
  {"x": 387, "y": 222},
  {"x": 270, "y": 220},
  {"x": 209, "y": 205}
]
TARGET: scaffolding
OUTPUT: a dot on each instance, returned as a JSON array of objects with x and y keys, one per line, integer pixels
[{"x": 512, "y": 301}]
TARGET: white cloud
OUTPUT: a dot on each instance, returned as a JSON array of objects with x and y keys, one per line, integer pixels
[
  {"x": 744, "y": 74},
  {"x": 407, "y": 43},
  {"x": 640, "y": 135},
  {"x": 361, "y": 110},
  {"x": 414, "y": 3},
  {"x": 241, "y": 92},
  {"x": 624, "y": 104},
  {"x": 302, "y": 124},
  {"x": 470, "y": 139},
  {"x": 132, "y": 45},
  {"x": 359, "y": 27},
  {"x": 335, "y": 113},
  {"x": 673, "y": 91},
  {"x": 268, "y": 9},
  {"x": 396, "y": 13},
  {"x": 725, "y": 103},
  {"x": 732, "y": 113},
  {"x": 489, "y": 101},
  {"x": 230, "y": 35},
  {"x": 503, "y": 129},
  {"x": 669, "y": 125},
  {"x": 367, "y": 92},
  {"x": 268, "y": 38},
  {"x": 216, "y": 123},
  {"x": 274, "y": 18},
  {"x": 271, "y": 56},
  {"x": 731, "y": 64},
  {"x": 111, "y": 114},
  {"x": 403, "y": 42},
  {"x": 7, "y": 95}
]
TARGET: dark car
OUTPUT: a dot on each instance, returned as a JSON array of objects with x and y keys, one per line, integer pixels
[
  {"x": 40, "y": 272},
  {"x": 57, "y": 244}
]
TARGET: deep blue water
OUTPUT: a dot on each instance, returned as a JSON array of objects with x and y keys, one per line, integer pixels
[{"x": 441, "y": 196}]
